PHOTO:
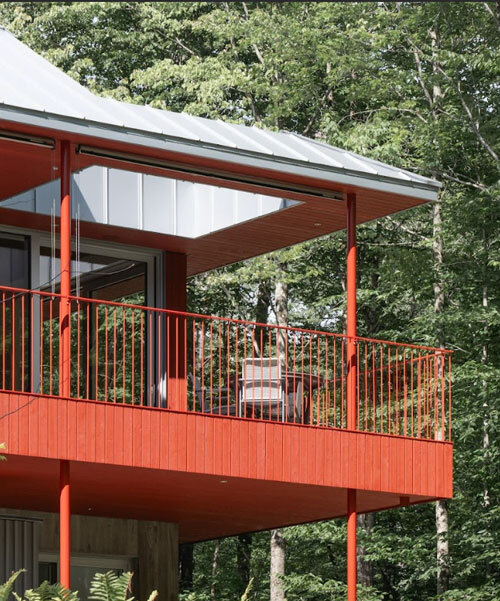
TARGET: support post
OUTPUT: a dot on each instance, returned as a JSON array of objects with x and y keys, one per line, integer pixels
[
  {"x": 65, "y": 358},
  {"x": 351, "y": 388},
  {"x": 176, "y": 300}
]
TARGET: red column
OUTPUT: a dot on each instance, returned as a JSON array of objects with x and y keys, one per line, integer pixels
[
  {"x": 65, "y": 357},
  {"x": 351, "y": 388},
  {"x": 64, "y": 526},
  {"x": 176, "y": 300}
]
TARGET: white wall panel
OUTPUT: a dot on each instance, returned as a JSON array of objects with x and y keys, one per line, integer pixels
[{"x": 150, "y": 203}]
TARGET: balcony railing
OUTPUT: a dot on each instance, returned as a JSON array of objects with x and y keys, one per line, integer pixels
[{"x": 170, "y": 360}]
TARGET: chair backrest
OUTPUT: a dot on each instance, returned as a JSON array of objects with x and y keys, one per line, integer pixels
[{"x": 261, "y": 378}]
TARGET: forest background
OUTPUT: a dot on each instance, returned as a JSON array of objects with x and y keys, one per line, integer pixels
[{"x": 413, "y": 84}]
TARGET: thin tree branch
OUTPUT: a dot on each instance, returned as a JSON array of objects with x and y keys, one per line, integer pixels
[
  {"x": 492, "y": 13},
  {"x": 468, "y": 112}
]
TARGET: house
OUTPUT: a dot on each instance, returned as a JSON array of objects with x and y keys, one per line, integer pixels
[{"x": 132, "y": 425}]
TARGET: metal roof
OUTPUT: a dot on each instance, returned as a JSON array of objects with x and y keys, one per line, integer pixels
[{"x": 35, "y": 92}]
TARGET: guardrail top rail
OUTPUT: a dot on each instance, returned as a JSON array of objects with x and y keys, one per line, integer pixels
[{"x": 123, "y": 353}]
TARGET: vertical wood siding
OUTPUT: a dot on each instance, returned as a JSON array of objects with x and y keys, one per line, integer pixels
[{"x": 118, "y": 434}]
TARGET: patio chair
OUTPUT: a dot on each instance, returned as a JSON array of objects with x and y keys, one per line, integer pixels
[
  {"x": 261, "y": 392},
  {"x": 211, "y": 400}
]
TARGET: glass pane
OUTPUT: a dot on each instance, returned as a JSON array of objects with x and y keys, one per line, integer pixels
[{"x": 14, "y": 313}]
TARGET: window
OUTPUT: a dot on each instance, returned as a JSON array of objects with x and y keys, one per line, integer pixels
[{"x": 83, "y": 569}]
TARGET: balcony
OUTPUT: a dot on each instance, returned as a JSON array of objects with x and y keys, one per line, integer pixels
[{"x": 218, "y": 399}]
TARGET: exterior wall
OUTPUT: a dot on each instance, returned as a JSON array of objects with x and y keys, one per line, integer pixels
[
  {"x": 153, "y": 547},
  {"x": 19, "y": 542},
  {"x": 150, "y": 203}
]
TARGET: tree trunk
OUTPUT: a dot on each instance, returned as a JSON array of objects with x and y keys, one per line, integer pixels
[
  {"x": 366, "y": 521},
  {"x": 278, "y": 554},
  {"x": 484, "y": 362},
  {"x": 243, "y": 558},
  {"x": 277, "y": 566},
  {"x": 215, "y": 568},
  {"x": 442, "y": 546},
  {"x": 186, "y": 567}
]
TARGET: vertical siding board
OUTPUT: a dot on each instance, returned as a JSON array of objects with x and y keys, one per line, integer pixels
[
  {"x": 360, "y": 460},
  {"x": 385, "y": 463},
  {"x": 408, "y": 476},
  {"x": 128, "y": 434},
  {"x": 218, "y": 445},
  {"x": 72, "y": 429},
  {"x": 401, "y": 466},
  {"x": 244, "y": 454},
  {"x": 100, "y": 432},
  {"x": 268, "y": 457},
  {"x": 33, "y": 425},
  {"x": 81, "y": 431},
  {"x": 449, "y": 469},
  {"x": 417, "y": 467},
  {"x": 182, "y": 442},
  {"x": 62, "y": 426},
  {"x": 110, "y": 433},
  {"x": 377, "y": 463},
  {"x": 368, "y": 477},
  {"x": 286, "y": 449},
  {"x": 118, "y": 437},
  {"x": 227, "y": 451},
  {"x": 208, "y": 447},
  {"x": 170, "y": 455},
  {"x": 294, "y": 453},
  {"x": 4, "y": 423},
  {"x": 52, "y": 427},
  {"x": 319, "y": 458},
  {"x": 278, "y": 453},
  {"x": 439, "y": 470},
  {"x": 252, "y": 449},
  {"x": 147, "y": 440},
  {"x": 303, "y": 459},
  {"x": 90, "y": 432},
  {"x": 43, "y": 427},
  {"x": 236, "y": 448},
  {"x": 199, "y": 443},
  {"x": 192, "y": 442},
  {"x": 432, "y": 482},
  {"x": 24, "y": 412},
  {"x": 353, "y": 460},
  {"x": 312, "y": 442},
  {"x": 155, "y": 439},
  {"x": 260, "y": 455}
]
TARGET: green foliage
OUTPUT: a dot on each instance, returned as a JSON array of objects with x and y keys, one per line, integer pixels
[
  {"x": 107, "y": 586},
  {"x": 111, "y": 586},
  {"x": 48, "y": 592},
  {"x": 7, "y": 588},
  {"x": 360, "y": 76}
]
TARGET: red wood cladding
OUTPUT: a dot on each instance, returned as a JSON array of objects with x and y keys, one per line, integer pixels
[{"x": 105, "y": 433}]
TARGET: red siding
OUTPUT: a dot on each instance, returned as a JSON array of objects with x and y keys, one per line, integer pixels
[{"x": 111, "y": 434}]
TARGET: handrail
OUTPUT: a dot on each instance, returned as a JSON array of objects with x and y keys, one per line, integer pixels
[{"x": 227, "y": 319}]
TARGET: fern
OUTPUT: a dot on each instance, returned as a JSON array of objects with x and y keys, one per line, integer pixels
[
  {"x": 111, "y": 587},
  {"x": 50, "y": 592},
  {"x": 6, "y": 589},
  {"x": 247, "y": 591}
]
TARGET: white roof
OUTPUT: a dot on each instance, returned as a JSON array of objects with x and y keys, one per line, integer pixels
[{"x": 35, "y": 92}]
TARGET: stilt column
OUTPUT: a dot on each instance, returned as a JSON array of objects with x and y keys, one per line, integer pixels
[
  {"x": 351, "y": 388},
  {"x": 65, "y": 358}
]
